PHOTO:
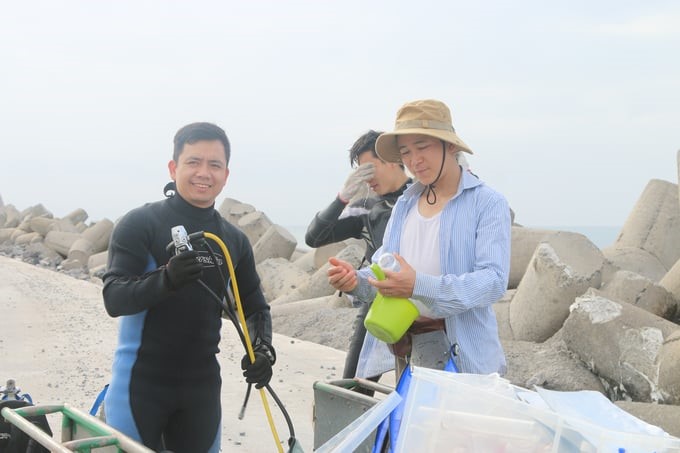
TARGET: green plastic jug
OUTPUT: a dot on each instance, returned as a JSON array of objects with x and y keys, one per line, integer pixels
[{"x": 389, "y": 318}]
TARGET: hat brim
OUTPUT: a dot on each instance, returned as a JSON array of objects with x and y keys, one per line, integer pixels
[{"x": 387, "y": 149}]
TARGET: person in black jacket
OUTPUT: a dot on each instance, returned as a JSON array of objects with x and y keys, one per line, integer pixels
[
  {"x": 365, "y": 219},
  {"x": 165, "y": 386}
]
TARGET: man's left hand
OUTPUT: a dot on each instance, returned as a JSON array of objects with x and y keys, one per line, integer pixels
[{"x": 258, "y": 372}]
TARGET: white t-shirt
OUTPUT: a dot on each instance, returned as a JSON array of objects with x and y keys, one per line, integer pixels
[{"x": 419, "y": 246}]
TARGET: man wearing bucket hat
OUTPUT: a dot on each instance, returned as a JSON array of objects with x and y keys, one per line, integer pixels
[{"x": 450, "y": 233}]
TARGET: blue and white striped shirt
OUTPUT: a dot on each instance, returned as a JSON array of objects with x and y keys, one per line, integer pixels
[{"x": 475, "y": 258}]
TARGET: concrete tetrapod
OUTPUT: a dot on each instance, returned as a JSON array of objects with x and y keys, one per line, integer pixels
[
  {"x": 636, "y": 352},
  {"x": 562, "y": 268},
  {"x": 653, "y": 225}
]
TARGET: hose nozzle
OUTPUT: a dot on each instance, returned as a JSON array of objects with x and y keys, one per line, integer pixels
[{"x": 181, "y": 239}]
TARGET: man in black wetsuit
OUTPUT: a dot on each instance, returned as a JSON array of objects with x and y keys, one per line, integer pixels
[
  {"x": 363, "y": 220},
  {"x": 165, "y": 388}
]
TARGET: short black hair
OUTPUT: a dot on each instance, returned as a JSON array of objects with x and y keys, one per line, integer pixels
[
  {"x": 364, "y": 143},
  {"x": 195, "y": 132}
]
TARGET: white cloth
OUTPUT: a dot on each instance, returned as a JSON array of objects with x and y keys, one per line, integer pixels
[{"x": 420, "y": 248}]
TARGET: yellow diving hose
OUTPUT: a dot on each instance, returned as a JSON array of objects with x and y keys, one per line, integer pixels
[{"x": 242, "y": 319}]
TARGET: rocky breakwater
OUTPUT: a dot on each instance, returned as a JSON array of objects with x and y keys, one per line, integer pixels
[
  {"x": 67, "y": 244},
  {"x": 574, "y": 317}
]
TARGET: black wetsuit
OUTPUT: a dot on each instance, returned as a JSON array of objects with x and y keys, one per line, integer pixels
[
  {"x": 166, "y": 378},
  {"x": 327, "y": 228}
]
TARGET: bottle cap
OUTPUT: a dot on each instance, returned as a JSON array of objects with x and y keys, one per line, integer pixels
[{"x": 388, "y": 262}]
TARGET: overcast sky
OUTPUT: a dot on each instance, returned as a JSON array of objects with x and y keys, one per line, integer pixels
[{"x": 570, "y": 107}]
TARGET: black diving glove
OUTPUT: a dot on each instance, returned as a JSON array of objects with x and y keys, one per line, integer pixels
[
  {"x": 258, "y": 372},
  {"x": 183, "y": 268}
]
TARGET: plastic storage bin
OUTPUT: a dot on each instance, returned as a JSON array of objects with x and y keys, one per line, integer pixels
[
  {"x": 469, "y": 413},
  {"x": 481, "y": 413}
]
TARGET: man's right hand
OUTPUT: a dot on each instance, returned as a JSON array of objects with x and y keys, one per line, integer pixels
[
  {"x": 183, "y": 268},
  {"x": 356, "y": 180},
  {"x": 341, "y": 275}
]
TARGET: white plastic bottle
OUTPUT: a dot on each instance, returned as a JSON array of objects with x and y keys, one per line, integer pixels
[{"x": 388, "y": 262}]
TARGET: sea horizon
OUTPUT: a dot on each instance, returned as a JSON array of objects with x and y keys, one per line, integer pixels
[{"x": 601, "y": 236}]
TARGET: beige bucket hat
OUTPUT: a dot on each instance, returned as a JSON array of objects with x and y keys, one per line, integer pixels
[{"x": 426, "y": 117}]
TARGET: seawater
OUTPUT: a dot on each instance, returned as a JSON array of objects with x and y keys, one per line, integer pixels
[{"x": 601, "y": 236}]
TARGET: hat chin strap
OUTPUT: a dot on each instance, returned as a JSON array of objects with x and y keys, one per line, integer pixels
[{"x": 430, "y": 187}]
